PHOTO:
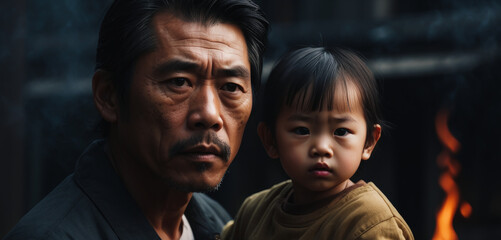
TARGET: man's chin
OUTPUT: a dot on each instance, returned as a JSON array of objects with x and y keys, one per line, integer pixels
[{"x": 202, "y": 186}]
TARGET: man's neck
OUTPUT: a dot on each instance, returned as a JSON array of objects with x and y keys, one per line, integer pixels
[{"x": 162, "y": 205}]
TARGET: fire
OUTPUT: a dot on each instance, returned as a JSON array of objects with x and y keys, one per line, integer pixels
[
  {"x": 465, "y": 209},
  {"x": 444, "y": 229}
]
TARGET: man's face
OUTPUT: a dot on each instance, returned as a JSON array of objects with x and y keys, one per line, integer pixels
[{"x": 189, "y": 102}]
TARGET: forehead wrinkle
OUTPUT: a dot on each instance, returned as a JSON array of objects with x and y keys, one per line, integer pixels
[
  {"x": 196, "y": 43},
  {"x": 202, "y": 32},
  {"x": 205, "y": 44}
]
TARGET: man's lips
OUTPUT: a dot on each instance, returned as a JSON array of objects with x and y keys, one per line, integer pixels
[
  {"x": 202, "y": 152},
  {"x": 201, "y": 146}
]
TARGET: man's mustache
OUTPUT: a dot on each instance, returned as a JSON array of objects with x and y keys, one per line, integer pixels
[{"x": 208, "y": 138}]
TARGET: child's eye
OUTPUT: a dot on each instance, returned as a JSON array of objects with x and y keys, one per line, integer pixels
[
  {"x": 301, "y": 131},
  {"x": 341, "y": 132}
]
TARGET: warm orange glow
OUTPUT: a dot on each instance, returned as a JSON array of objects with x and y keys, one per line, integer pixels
[
  {"x": 443, "y": 132},
  {"x": 444, "y": 229},
  {"x": 465, "y": 209}
]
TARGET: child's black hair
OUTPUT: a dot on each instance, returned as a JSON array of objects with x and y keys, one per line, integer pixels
[{"x": 319, "y": 70}]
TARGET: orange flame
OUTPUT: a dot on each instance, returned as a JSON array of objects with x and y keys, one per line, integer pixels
[
  {"x": 465, "y": 209},
  {"x": 444, "y": 229}
]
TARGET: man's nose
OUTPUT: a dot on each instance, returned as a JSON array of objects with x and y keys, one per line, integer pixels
[
  {"x": 204, "y": 112},
  {"x": 321, "y": 147}
]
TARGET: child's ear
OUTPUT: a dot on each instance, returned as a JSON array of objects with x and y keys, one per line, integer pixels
[
  {"x": 105, "y": 96},
  {"x": 376, "y": 133},
  {"x": 267, "y": 139}
]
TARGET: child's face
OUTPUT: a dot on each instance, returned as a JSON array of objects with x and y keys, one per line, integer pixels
[{"x": 321, "y": 150}]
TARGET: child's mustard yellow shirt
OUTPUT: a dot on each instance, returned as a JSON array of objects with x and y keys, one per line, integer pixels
[{"x": 362, "y": 213}]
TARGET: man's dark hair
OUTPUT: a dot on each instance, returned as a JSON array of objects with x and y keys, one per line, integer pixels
[
  {"x": 127, "y": 33},
  {"x": 319, "y": 70}
]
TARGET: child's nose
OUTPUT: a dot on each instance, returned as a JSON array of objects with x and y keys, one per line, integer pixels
[{"x": 321, "y": 147}]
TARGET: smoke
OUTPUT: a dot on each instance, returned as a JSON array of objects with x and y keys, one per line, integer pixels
[{"x": 466, "y": 25}]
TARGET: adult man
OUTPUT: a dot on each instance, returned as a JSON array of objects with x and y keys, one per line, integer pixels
[{"x": 173, "y": 82}]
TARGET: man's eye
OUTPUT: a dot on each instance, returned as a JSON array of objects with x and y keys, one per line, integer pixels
[
  {"x": 341, "y": 132},
  {"x": 231, "y": 87},
  {"x": 301, "y": 131},
  {"x": 179, "y": 82}
]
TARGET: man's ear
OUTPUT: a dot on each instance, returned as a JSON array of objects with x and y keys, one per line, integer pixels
[
  {"x": 376, "y": 134},
  {"x": 267, "y": 140},
  {"x": 105, "y": 96}
]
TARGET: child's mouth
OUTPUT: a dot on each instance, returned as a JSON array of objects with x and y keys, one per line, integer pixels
[
  {"x": 321, "y": 173},
  {"x": 320, "y": 169}
]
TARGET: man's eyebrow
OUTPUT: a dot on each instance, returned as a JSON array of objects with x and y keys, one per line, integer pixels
[
  {"x": 237, "y": 71},
  {"x": 175, "y": 65}
]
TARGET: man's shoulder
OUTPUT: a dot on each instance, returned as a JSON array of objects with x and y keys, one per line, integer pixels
[{"x": 62, "y": 214}]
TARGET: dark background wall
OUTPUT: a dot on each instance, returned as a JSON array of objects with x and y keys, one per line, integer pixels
[{"x": 427, "y": 55}]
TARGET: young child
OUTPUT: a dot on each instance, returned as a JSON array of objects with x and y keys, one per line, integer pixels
[{"x": 321, "y": 118}]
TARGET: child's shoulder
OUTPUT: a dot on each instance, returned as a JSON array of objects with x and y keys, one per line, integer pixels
[
  {"x": 268, "y": 198},
  {"x": 366, "y": 210},
  {"x": 257, "y": 210},
  {"x": 277, "y": 191},
  {"x": 369, "y": 200}
]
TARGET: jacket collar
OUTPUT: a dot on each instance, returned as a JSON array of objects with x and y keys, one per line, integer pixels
[{"x": 96, "y": 177}]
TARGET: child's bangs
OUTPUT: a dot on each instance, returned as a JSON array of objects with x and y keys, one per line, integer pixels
[{"x": 319, "y": 91}]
